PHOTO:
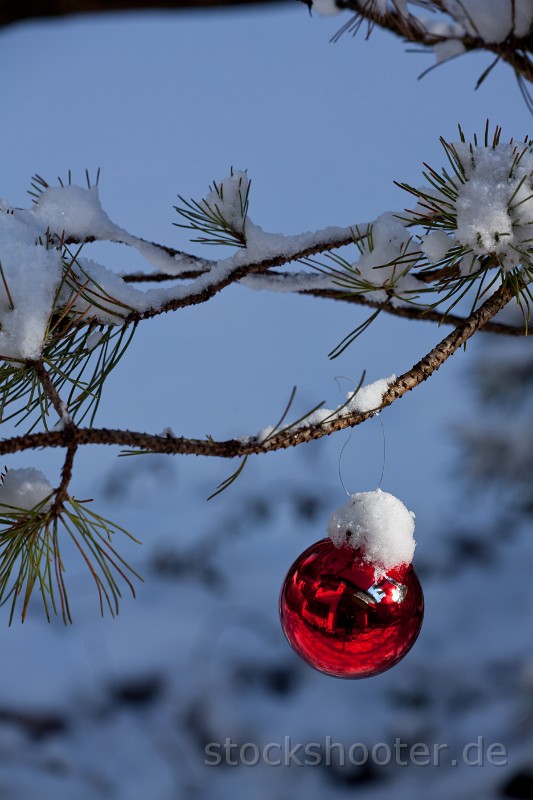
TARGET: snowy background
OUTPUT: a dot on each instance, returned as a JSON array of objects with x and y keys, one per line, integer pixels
[{"x": 164, "y": 104}]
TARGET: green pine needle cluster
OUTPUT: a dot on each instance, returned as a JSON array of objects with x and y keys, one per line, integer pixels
[
  {"x": 30, "y": 556},
  {"x": 78, "y": 354},
  {"x": 210, "y": 216},
  {"x": 79, "y": 357},
  {"x": 461, "y": 273}
]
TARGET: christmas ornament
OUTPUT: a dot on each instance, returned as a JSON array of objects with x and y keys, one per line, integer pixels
[{"x": 351, "y": 605}]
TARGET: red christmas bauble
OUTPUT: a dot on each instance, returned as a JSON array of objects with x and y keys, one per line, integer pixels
[{"x": 343, "y": 621}]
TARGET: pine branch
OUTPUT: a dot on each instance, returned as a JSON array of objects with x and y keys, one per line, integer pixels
[
  {"x": 29, "y": 389},
  {"x": 66, "y": 476},
  {"x": 423, "y": 314},
  {"x": 288, "y": 437},
  {"x": 163, "y": 277},
  {"x": 513, "y": 51},
  {"x": 193, "y": 266},
  {"x": 207, "y": 286},
  {"x": 30, "y": 556},
  {"x": 416, "y": 312},
  {"x": 49, "y": 389}
]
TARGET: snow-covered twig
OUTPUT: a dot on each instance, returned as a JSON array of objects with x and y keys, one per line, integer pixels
[
  {"x": 460, "y": 31},
  {"x": 273, "y": 250},
  {"x": 288, "y": 437},
  {"x": 303, "y": 283}
]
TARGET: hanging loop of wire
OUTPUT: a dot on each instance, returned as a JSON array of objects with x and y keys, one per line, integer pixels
[
  {"x": 384, "y": 460},
  {"x": 340, "y": 458},
  {"x": 378, "y": 415}
]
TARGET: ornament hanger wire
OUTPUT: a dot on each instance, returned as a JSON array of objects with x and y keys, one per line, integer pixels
[
  {"x": 384, "y": 463},
  {"x": 384, "y": 460},
  {"x": 340, "y": 459}
]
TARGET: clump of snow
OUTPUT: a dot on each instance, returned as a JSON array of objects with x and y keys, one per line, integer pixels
[
  {"x": 93, "y": 339},
  {"x": 25, "y": 489},
  {"x": 106, "y": 297},
  {"x": 326, "y": 7},
  {"x": 288, "y": 282},
  {"x": 369, "y": 397},
  {"x": 378, "y": 525},
  {"x": 65, "y": 418},
  {"x": 75, "y": 211},
  {"x": 316, "y": 418},
  {"x": 64, "y": 414},
  {"x": 31, "y": 274},
  {"x": 366, "y": 398},
  {"x": 443, "y": 28},
  {"x": 261, "y": 245},
  {"x": 264, "y": 433},
  {"x": 469, "y": 265},
  {"x": 228, "y": 199},
  {"x": 171, "y": 263},
  {"x": 492, "y": 20},
  {"x": 435, "y": 246},
  {"x": 384, "y": 264},
  {"x": 523, "y": 18},
  {"x": 449, "y": 48},
  {"x": 495, "y": 204}
]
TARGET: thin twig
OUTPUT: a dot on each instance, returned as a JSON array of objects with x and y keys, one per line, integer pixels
[
  {"x": 69, "y": 430},
  {"x": 162, "y": 277},
  {"x": 49, "y": 388},
  {"x": 418, "y": 313},
  {"x": 197, "y": 264},
  {"x": 203, "y": 293},
  {"x": 405, "y": 311},
  {"x": 66, "y": 476}
]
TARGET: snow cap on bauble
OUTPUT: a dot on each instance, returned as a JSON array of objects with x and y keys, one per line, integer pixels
[{"x": 376, "y": 524}]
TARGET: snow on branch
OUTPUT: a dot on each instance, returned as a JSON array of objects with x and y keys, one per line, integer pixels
[
  {"x": 469, "y": 231},
  {"x": 67, "y": 214},
  {"x": 292, "y": 434},
  {"x": 453, "y": 27},
  {"x": 67, "y": 320},
  {"x": 394, "y": 269},
  {"x": 305, "y": 283}
]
